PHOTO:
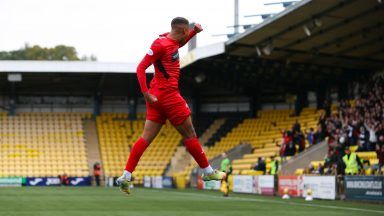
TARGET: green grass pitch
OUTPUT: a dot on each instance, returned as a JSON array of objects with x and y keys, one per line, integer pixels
[{"x": 68, "y": 201}]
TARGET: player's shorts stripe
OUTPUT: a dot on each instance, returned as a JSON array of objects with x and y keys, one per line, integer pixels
[{"x": 162, "y": 69}]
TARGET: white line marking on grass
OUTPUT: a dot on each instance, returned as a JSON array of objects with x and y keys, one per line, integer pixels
[{"x": 277, "y": 202}]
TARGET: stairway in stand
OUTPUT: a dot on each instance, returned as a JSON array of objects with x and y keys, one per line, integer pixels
[
  {"x": 179, "y": 161},
  {"x": 93, "y": 149},
  {"x": 211, "y": 130},
  {"x": 182, "y": 159}
]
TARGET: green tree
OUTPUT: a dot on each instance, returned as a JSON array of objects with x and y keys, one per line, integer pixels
[{"x": 57, "y": 53}]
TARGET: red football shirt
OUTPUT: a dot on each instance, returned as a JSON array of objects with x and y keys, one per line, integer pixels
[{"x": 164, "y": 55}]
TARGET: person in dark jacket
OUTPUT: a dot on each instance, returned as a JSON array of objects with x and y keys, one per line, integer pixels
[{"x": 260, "y": 166}]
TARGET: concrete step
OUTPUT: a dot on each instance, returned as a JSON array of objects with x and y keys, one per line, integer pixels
[{"x": 93, "y": 149}]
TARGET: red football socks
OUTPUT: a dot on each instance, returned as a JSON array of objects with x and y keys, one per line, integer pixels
[
  {"x": 194, "y": 148},
  {"x": 137, "y": 150}
]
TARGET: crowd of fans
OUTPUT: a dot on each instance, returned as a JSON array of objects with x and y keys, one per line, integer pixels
[
  {"x": 357, "y": 123},
  {"x": 293, "y": 141}
]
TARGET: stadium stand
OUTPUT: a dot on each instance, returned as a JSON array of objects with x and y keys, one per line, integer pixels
[
  {"x": 357, "y": 124},
  {"x": 43, "y": 144},
  {"x": 264, "y": 134},
  {"x": 224, "y": 137},
  {"x": 211, "y": 130},
  {"x": 227, "y": 126},
  {"x": 116, "y": 136}
]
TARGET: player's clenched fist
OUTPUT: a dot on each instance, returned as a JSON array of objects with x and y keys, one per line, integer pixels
[{"x": 198, "y": 28}]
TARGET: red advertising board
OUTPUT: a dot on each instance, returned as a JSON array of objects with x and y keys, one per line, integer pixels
[{"x": 294, "y": 184}]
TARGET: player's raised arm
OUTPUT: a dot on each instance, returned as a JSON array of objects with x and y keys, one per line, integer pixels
[
  {"x": 154, "y": 53},
  {"x": 196, "y": 29}
]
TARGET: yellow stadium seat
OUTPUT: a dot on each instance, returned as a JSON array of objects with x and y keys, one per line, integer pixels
[{"x": 39, "y": 141}]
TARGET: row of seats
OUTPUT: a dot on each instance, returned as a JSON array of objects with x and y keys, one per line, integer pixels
[
  {"x": 267, "y": 134},
  {"x": 116, "y": 137},
  {"x": 43, "y": 144},
  {"x": 262, "y": 133}
]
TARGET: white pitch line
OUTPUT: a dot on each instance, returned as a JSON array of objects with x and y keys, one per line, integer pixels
[{"x": 278, "y": 202}]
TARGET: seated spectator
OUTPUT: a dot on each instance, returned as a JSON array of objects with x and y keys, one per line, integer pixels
[
  {"x": 320, "y": 169},
  {"x": 309, "y": 169},
  {"x": 260, "y": 166}
]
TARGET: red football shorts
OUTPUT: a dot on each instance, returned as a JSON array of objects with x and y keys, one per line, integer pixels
[{"x": 170, "y": 105}]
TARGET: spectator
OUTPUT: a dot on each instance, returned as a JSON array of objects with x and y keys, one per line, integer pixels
[
  {"x": 320, "y": 169},
  {"x": 372, "y": 134},
  {"x": 296, "y": 127},
  {"x": 381, "y": 140},
  {"x": 352, "y": 163},
  {"x": 64, "y": 180},
  {"x": 319, "y": 135},
  {"x": 309, "y": 169},
  {"x": 327, "y": 108},
  {"x": 380, "y": 157},
  {"x": 97, "y": 173},
  {"x": 299, "y": 140},
  {"x": 310, "y": 138},
  {"x": 274, "y": 166},
  {"x": 363, "y": 141},
  {"x": 260, "y": 166}
]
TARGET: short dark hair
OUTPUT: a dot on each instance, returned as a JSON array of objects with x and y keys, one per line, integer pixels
[{"x": 179, "y": 21}]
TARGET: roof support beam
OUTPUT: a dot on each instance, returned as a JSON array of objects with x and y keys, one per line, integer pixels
[
  {"x": 336, "y": 25},
  {"x": 300, "y": 24}
]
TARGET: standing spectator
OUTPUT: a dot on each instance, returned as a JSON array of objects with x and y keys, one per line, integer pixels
[
  {"x": 380, "y": 157},
  {"x": 296, "y": 127},
  {"x": 363, "y": 141},
  {"x": 381, "y": 140},
  {"x": 372, "y": 134},
  {"x": 64, "y": 180},
  {"x": 319, "y": 135},
  {"x": 352, "y": 163},
  {"x": 327, "y": 108},
  {"x": 290, "y": 149},
  {"x": 274, "y": 166},
  {"x": 310, "y": 138},
  {"x": 301, "y": 141},
  {"x": 97, "y": 173}
]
